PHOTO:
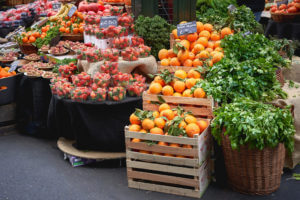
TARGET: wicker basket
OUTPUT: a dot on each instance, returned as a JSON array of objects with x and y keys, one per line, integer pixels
[
  {"x": 28, "y": 48},
  {"x": 253, "y": 171},
  {"x": 14, "y": 2},
  {"x": 286, "y": 17},
  {"x": 72, "y": 37},
  {"x": 279, "y": 76}
]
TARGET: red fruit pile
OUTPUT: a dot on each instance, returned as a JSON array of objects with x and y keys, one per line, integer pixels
[
  {"x": 101, "y": 79},
  {"x": 110, "y": 67},
  {"x": 121, "y": 79},
  {"x": 116, "y": 93},
  {"x": 125, "y": 20},
  {"x": 144, "y": 51},
  {"x": 111, "y": 55},
  {"x": 98, "y": 95},
  {"x": 80, "y": 93},
  {"x": 82, "y": 79},
  {"x": 130, "y": 54},
  {"x": 120, "y": 43},
  {"x": 136, "y": 41},
  {"x": 67, "y": 71},
  {"x": 292, "y": 7}
]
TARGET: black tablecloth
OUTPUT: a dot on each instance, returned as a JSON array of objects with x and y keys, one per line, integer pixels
[
  {"x": 32, "y": 105},
  {"x": 94, "y": 126},
  {"x": 288, "y": 30}
]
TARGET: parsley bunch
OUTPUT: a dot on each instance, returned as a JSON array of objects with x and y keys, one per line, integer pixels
[{"x": 258, "y": 125}]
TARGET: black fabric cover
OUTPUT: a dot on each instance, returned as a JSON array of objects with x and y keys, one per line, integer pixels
[
  {"x": 254, "y": 5},
  {"x": 33, "y": 100},
  {"x": 289, "y": 30},
  {"x": 94, "y": 125}
]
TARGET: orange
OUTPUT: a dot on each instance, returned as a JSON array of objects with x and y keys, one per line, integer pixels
[
  {"x": 134, "y": 119},
  {"x": 190, "y": 119},
  {"x": 218, "y": 49},
  {"x": 171, "y": 53},
  {"x": 167, "y": 90},
  {"x": 192, "y": 129},
  {"x": 155, "y": 88},
  {"x": 189, "y": 83},
  {"x": 213, "y": 53},
  {"x": 191, "y": 56},
  {"x": 169, "y": 114},
  {"x": 205, "y": 33},
  {"x": 193, "y": 74},
  {"x": 202, "y": 125},
  {"x": 162, "y": 54},
  {"x": 197, "y": 62},
  {"x": 215, "y": 36},
  {"x": 158, "y": 79},
  {"x": 155, "y": 114},
  {"x": 157, "y": 131},
  {"x": 135, "y": 140},
  {"x": 183, "y": 22},
  {"x": 159, "y": 122},
  {"x": 210, "y": 63},
  {"x": 217, "y": 57},
  {"x": 183, "y": 55},
  {"x": 176, "y": 94},
  {"x": 187, "y": 146},
  {"x": 199, "y": 93},
  {"x": 143, "y": 131},
  {"x": 209, "y": 50},
  {"x": 175, "y": 34},
  {"x": 134, "y": 128},
  {"x": 160, "y": 143},
  {"x": 208, "y": 27},
  {"x": 174, "y": 62},
  {"x": 217, "y": 44},
  {"x": 198, "y": 48},
  {"x": 146, "y": 152},
  {"x": 31, "y": 39},
  {"x": 186, "y": 44},
  {"x": 169, "y": 155},
  {"x": 193, "y": 45},
  {"x": 25, "y": 39},
  {"x": 203, "y": 41},
  {"x": 225, "y": 31},
  {"x": 187, "y": 93},
  {"x": 188, "y": 63},
  {"x": 62, "y": 29},
  {"x": 179, "y": 86},
  {"x": 192, "y": 37},
  {"x": 165, "y": 62},
  {"x": 147, "y": 124},
  {"x": 163, "y": 107},
  {"x": 204, "y": 54},
  {"x": 211, "y": 44},
  {"x": 182, "y": 124},
  {"x": 180, "y": 74},
  {"x": 67, "y": 30},
  {"x": 36, "y": 34},
  {"x": 174, "y": 145},
  {"x": 200, "y": 27}
]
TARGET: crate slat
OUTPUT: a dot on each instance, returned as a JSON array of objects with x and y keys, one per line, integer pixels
[
  {"x": 163, "y": 168},
  {"x": 163, "y": 149},
  {"x": 164, "y": 189},
  {"x": 162, "y": 159},
  {"x": 162, "y": 178}
]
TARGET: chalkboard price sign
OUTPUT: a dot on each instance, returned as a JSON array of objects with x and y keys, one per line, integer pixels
[
  {"x": 13, "y": 66},
  {"x": 187, "y": 28},
  {"x": 108, "y": 21},
  {"x": 56, "y": 6},
  {"x": 72, "y": 11}
]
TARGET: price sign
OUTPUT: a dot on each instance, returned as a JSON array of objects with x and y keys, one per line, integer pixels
[
  {"x": 247, "y": 33},
  {"x": 231, "y": 8},
  {"x": 72, "y": 11},
  {"x": 108, "y": 21},
  {"x": 187, "y": 28},
  {"x": 56, "y": 6},
  {"x": 13, "y": 66}
]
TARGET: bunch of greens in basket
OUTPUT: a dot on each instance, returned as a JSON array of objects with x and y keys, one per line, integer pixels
[{"x": 255, "y": 124}]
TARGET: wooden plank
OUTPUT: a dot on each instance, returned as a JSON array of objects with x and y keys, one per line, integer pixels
[
  {"x": 163, "y": 149},
  {"x": 163, "y": 138},
  {"x": 165, "y": 168},
  {"x": 164, "y": 189},
  {"x": 162, "y": 178},
  {"x": 180, "y": 100},
  {"x": 190, "y": 162}
]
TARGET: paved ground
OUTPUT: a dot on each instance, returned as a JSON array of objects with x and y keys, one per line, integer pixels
[{"x": 33, "y": 169}]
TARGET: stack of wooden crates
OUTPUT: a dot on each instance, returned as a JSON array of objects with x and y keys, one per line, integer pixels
[{"x": 188, "y": 175}]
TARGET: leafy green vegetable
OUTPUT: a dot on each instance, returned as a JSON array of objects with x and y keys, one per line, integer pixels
[
  {"x": 155, "y": 31},
  {"x": 286, "y": 46},
  {"x": 52, "y": 33},
  {"x": 230, "y": 79},
  {"x": 258, "y": 125}
]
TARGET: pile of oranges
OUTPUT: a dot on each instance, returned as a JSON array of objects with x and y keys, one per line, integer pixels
[
  {"x": 71, "y": 25},
  {"x": 31, "y": 36},
  {"x": 195, "y": 48},
  {"x": 166, "y": 121},
  {"x": 4, "y": 72},
  {"x": 179, "y": 84}
]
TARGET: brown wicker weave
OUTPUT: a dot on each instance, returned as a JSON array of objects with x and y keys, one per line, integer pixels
[
  {"x": 28, "y": 48},
  {"x": 14, "y": 2},
  {"x": 279, "y": 76},
  {"x": 279, "y": 17},
  {"x": 72, "y": 37},
  {"x": 253, "y": 171}
]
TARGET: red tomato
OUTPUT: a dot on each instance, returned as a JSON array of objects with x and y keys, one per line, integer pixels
[
  {"x": 273, "y": 9},
  {"x": 292, "y": 9},
  {"x": 282, "y": 7}
]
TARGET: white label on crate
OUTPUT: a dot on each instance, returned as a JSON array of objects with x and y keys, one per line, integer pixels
[{"x": 72, "y": 11}]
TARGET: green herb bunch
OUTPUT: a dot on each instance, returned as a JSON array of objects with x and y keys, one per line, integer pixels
[
  {"x": 52, "y": 33},
  {"x": 230, "y": 79},
  {"x": 255, "y": 124},
  {"x": 155, "y": 31}
]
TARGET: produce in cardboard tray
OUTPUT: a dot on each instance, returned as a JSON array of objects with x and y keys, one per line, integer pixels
[
  {"x": 136, "y": 88},
  {"x": 101, "y": 79},
  {"x": 111, "y": 55},
  {"x": 120, "y": 43},
  {"x": 80, "y": 94},
  {"x": 110, "y": 67},
  {"x": 136, "y": 41},
  {"x": 82, "y": 79},
  {"x": 116, "y": 93},
  {"x": 130, "y": 54},
  {"x": 67, "y": 71},
  {"x": 144, "y": 51},
  {"x": 98, "y": 95},
  {"x": 121, "y": 79}
]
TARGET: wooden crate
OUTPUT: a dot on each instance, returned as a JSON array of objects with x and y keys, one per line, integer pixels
[
  {"x": 187, "y": 176},
  {"x": 200, "y": 107}
]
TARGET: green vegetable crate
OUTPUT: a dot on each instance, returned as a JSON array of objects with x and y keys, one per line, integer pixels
[{"x": 174, "y": 11}]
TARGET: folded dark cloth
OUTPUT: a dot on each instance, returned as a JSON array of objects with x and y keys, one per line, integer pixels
[{"x": 254, "y": 5}]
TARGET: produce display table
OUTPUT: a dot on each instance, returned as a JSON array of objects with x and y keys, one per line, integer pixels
[
  {"x": 94, "y": 125},
  {"x": 289, "y": 30},
  {"x": 32, "y": 105}
]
